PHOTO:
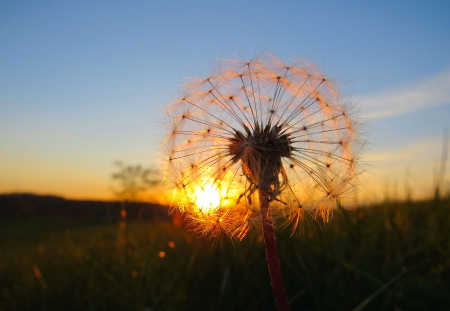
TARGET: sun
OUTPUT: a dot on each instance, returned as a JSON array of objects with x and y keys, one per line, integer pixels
[{"x": 207, "y": 198}]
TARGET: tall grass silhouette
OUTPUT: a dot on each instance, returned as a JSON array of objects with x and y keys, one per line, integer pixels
[
  {"x": 395, "y": 255},
  {"x": 267, "y": 142}
]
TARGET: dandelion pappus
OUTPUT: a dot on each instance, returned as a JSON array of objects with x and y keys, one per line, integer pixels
[
  {"x": 259, "y": 128},
  {"x": 234, "y": 131}
]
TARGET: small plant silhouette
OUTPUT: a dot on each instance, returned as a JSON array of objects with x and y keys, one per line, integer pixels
[
  {"x": 133, "y": 180},
  {"x": 267, "y": 143}
]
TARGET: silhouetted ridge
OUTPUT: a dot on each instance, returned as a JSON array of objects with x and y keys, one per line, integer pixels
[{"x": 46, "y": 206}]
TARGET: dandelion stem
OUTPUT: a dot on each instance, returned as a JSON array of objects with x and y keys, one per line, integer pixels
[{"x": 276, "y": 278}]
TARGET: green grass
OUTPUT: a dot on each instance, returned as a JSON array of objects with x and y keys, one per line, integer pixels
[{"x": 69, "y": 265}]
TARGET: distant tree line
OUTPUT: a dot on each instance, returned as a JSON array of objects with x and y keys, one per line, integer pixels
[{"x": 53, "y": 207}]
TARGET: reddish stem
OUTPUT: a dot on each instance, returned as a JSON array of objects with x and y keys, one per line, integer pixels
[{"x": 273, "y": 262}]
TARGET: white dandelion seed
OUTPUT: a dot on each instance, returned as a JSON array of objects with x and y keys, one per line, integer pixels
[{"x": 257, "y": 131}]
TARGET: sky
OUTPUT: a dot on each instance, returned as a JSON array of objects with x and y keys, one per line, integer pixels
[{"x": 82, "y": 83}]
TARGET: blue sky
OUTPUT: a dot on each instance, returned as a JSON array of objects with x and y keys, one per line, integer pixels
[{"x": 82, "y": 83}]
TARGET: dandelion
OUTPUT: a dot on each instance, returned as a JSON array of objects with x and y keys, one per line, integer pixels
[{"x": 257, "y": 145}]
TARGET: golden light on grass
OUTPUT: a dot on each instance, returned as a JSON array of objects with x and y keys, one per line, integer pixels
[
  {"x": 257, "y": 145},
  {"x": 39, "y": 277}
]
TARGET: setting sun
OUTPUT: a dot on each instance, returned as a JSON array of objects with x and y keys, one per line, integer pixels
[{"x": 207, "y": 198}]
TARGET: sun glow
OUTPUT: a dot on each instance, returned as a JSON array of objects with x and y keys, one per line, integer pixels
[{"x": 207, "y": 198}]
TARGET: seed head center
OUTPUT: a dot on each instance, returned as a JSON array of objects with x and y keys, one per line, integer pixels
[{"x": 260, "y": 151}]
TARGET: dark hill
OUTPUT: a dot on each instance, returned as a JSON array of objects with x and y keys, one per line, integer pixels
[{"x": 53, "y": 207}]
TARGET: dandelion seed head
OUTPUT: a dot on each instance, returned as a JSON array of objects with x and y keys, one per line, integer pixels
[{"x": 258, "y": 125}]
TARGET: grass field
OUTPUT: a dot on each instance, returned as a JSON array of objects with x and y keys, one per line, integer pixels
[{"x": 397, "y": 252}]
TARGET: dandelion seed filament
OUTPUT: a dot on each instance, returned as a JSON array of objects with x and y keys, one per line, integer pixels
[{"x": 255, "y": 125}]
